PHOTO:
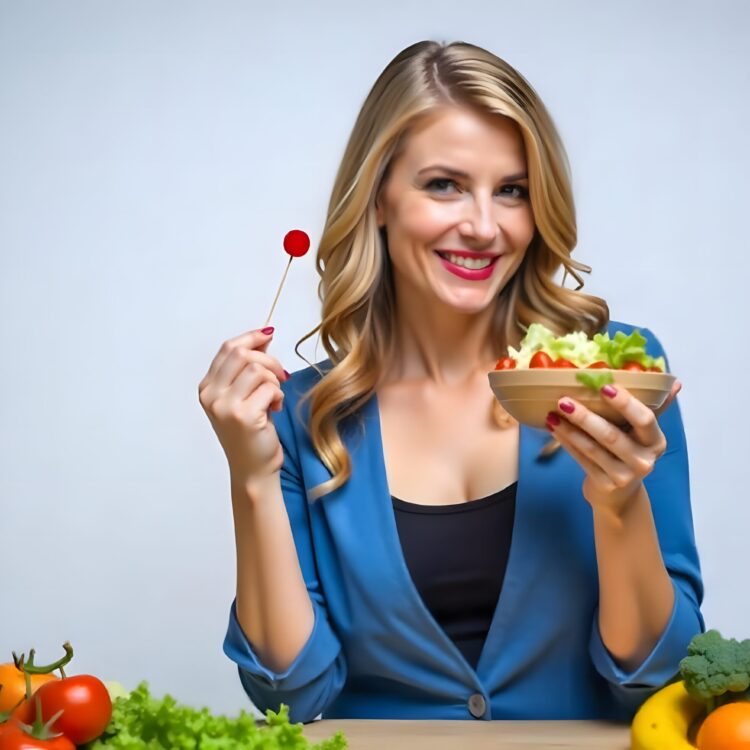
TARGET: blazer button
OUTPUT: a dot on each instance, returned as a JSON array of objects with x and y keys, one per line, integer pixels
[{"x": 477, "y": 705}]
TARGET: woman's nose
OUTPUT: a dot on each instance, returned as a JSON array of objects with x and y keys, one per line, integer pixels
[{"x": 480, "y": 222}]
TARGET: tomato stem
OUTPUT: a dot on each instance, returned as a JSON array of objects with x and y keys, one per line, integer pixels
[
  {"x": 39, "y": 729},
  {"x": 31, "y": 668}
]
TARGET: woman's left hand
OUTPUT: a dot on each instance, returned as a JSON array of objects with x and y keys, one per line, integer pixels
[{"x": 615, "y": 460}]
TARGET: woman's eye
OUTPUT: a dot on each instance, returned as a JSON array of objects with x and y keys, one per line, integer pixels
[
  {"x": 440, "y": 179},
  {"x": 519, "y": 191}
]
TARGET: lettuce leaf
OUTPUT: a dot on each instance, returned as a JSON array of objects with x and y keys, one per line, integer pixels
[
  {"x": 582, "y": 351},
  {"x": 140, "y": 721},
  {"x": 594, "y": 379}
]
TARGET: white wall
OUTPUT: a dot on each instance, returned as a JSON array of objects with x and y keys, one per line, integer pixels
[{"x": 153, "y": 155}]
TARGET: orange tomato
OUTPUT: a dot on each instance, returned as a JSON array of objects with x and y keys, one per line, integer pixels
[
  {"x": 14, "y": 685},
  {"x": 726, "y": 728}
]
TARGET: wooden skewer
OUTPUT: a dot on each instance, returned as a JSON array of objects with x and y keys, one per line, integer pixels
[{"x": 278, "y": 291}]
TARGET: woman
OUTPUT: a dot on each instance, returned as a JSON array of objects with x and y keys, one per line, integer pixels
[{"x": 401, "y": 550}]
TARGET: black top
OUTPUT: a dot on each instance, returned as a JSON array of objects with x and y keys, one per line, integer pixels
[{"x": 457, "y": 555}]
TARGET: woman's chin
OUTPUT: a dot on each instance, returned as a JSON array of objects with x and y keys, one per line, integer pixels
[{"x": 471, "y": 303}]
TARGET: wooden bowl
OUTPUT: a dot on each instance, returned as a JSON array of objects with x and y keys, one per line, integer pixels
[{"x": 530, "y": 394}]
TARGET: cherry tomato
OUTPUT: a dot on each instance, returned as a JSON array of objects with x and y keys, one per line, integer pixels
[
  {"x": 636, "y": 366},
  {"x": 84, "y": 700},
  {"x": 506, "y": 363},
  {"x": 654, "y": 369},
  {"x": 13, "y": 737},
  {"x": 541, "y": 359},
  {"x": 598, "y": 365},
  {"x": 14, "y": 685},
  {"x": 561, "y": 362}
]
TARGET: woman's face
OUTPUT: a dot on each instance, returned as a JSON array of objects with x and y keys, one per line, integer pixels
[{"x": 432, "y": 214}]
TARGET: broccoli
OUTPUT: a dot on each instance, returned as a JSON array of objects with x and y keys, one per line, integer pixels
[{"x": 717, "y": 670}]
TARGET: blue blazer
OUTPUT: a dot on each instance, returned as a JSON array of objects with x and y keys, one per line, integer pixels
[{"x": 376, "y": 651}]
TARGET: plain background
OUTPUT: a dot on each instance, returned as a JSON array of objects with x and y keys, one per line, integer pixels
[{"x": 153, "y": 155}]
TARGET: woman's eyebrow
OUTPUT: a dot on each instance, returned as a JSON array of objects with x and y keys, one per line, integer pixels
[{"x": 459, "y": 173}]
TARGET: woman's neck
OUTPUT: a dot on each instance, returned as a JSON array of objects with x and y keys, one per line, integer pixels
[{"x": 441, "y": 346}]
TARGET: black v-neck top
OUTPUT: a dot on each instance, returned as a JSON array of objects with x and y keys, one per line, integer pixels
[{"x": 457, "y": 555}]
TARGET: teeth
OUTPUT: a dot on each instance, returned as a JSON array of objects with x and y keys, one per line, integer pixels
[{"x": 471, "y": 263}]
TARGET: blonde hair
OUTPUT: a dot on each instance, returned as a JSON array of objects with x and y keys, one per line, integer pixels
[{"x": 356, "y": 283}]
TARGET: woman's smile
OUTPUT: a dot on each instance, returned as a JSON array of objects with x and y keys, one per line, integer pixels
[{"x": 468, "y": 266}]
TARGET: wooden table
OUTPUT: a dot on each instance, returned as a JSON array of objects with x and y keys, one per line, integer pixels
[{"x": 369, "y": 734}]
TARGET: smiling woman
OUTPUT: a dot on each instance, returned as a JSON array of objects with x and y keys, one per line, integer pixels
[{"x": 401, "y": 552}]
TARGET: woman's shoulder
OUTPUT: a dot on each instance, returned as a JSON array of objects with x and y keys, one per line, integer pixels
[
  {"x": 618, "y": 325},
  {"x": 302, "y": 380}
]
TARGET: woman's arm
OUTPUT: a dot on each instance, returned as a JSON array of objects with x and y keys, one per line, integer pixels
[{"x": 635, "y": 592}]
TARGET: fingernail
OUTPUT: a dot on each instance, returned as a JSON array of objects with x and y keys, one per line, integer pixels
[
  {"x": 567, "y": 407},
  {"x": 552, "y": 419},
  {"x": 609, "y": 390},
  {"x": 268, "y": 330},
  {"x": 288, "y": 374}
]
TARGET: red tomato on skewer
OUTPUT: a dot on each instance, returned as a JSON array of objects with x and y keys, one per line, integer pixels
[{"x": 296, "y": 243}]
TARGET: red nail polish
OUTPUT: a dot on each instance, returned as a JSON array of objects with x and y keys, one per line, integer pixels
[
  {"x": 608, "y": 390},
  {"x": 567, "y": 407},
  {"x": 288, "y": 374},
  {"x": 268, "y": 330},
  {"x": 552, "y": 419}
]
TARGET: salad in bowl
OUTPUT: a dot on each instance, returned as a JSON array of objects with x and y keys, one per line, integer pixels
[{"x": 529, "y": 381}]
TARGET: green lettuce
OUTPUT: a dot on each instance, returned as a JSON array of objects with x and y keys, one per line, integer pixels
[
  {"x": 582, "y": 350},
  {"x": 141, "y": 722}
]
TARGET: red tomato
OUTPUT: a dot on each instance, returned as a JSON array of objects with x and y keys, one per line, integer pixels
[
  {"x": 13, "y": 737},
  {"x": 541, "y": 359},
  {"x": 654, "y": 369},
  {"x": 637, "y": 366},
  {"x": 84, "y": 700},
  {"x": 598, "y": 365},
  {"x": 561, "y": 362},
  {"x": 506, "y": 363}
]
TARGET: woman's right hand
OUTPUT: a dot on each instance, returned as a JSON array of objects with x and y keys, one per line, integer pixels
[{"x": 241, "y": 386}]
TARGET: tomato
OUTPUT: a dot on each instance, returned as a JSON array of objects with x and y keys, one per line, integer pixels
[
  {"x": 561, "y": 362},
  {"x": 13, "y": 737},
  {"x": 654, "y": 369},
  {"x": 14, "y": 685},
  {"x": 506, "y": 363},
  {"x": 636, "y": 366},
  {"x": 541, "y": 359},
  {"x": 726, "y": 728},
  {"x": 598, "y": 365},
  {"x": 84, "y": 700}
]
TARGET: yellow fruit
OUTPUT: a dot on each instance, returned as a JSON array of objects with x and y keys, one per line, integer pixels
[{"x": 663, "y": 721}]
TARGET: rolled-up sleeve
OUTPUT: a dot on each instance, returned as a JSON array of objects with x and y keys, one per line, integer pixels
[
  {"x": 317, "y": 674},
  {"x": 668, "y": 487}
]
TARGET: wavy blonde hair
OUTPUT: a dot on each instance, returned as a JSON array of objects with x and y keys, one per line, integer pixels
[{"x": 356, "y": 281}]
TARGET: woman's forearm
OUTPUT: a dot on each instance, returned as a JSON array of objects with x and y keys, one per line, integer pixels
[
  {"x": 636, "y": 596},
  {"x": 273, "y": 605}
]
